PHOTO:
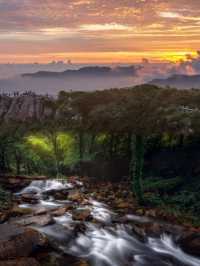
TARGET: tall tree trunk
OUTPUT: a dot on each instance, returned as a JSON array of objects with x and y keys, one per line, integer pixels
[
  {"x": 28, "y": 168},
  {"x": 116, "y": 145},
  {"x": 129, "y": 149},
  {"x": 18, "y": 163},
  {"x": 7, "y": 162},
  {"x": 81, "y": 152},
  {"x": 55, "y": 150},
  {"x": 136, "y": 166},
  {"x": 111, "y": 146},
  {"x": 181, "y": 140},
  {"x": 18, "y": 166},
  {"x": 92, "y": 142},
  {"x": 81, "y": 145},
  {"x": 2, "y": 160}
]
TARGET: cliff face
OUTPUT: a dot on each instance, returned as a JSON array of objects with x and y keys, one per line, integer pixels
[{"x": 24, "y": 108}]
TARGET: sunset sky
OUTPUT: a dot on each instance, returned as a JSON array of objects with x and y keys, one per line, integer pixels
[{"x": 98, "y": 31}]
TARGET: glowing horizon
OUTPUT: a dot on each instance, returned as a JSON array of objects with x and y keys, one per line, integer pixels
[{"x": 98, "y": 57}]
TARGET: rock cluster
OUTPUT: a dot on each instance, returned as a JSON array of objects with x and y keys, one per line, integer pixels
[{"x": 18, "y": 243}]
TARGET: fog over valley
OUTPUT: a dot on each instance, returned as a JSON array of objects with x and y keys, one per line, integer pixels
[{"x": 55, "y": 76}]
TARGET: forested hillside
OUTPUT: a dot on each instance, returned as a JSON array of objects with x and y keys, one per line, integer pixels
[{"x": 106, "y": 134}]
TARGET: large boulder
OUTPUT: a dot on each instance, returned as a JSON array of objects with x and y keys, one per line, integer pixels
[{"x": 17, "y": 242}]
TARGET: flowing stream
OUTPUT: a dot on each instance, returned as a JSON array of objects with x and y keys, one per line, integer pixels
[{"x": 106, "y": 243}]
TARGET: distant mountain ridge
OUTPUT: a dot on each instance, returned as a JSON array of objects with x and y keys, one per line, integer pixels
[
  {"x": 87, "y": 71},
  {"x": 179, "y": 81}
]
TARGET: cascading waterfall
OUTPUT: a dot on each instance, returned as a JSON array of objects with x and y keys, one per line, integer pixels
[{"x": 105, "y": 243}]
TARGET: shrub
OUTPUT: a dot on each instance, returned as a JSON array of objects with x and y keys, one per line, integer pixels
[{"x": 161, "y": 185}]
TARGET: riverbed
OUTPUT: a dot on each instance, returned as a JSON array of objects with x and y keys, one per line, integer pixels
[{"x": 93, "y": 231}]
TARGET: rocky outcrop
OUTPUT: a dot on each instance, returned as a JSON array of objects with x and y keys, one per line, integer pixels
[
  {"x": 5, "y": 103},
  {"x": 25, "y": 107}
]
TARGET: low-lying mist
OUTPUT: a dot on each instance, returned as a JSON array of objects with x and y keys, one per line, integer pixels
[{"x": 173, "y": 74}]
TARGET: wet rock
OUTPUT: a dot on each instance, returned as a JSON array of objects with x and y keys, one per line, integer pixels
[
  {"x": 40, "y": 211},
  {"x": 123, "y": 205},
  {"x": 59, "y": 212},
  {"x": 69, "y": 207},
  {"x": 17, "y": 211},
  {"x": 75, "y": 195},
  {"x": 30, "y": 198},
  {"x": 139, "y": 231},
  {"x": 190, "y": 242},
  {"x": 81, "y": 215},
  {"x": 154, "y": 229},
  {"x": 58, "y": 236},
  {"x": 58, "y": 259},
  {"x": 40, "y": 220},
  {"x": 37, "y": 177},
  {"x": 74, "y": 180},
  {"x": 80, "y": 228},
  {"x": 57, "y": 194},
  {"x": 82, "y": 263},
  {"x": 20, "y": 262},
  {"x": 16, "y": 242}
]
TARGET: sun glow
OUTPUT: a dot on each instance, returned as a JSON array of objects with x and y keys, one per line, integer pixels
[{"x": 101, "y": 57}]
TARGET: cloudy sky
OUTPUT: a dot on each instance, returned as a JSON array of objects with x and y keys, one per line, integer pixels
[{"x": 98, "y": 31}]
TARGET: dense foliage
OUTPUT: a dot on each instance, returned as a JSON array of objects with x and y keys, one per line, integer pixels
[{"x": 123, "y": 124}]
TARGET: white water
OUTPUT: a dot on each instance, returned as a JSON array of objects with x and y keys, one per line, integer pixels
[
  {"x": 38, "y": 187},
  {"x": 105, "y": 243},
  {"x": 165, "y": 245}
]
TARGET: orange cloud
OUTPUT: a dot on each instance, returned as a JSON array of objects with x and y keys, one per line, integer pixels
[{"x": 114, "y": 30}]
